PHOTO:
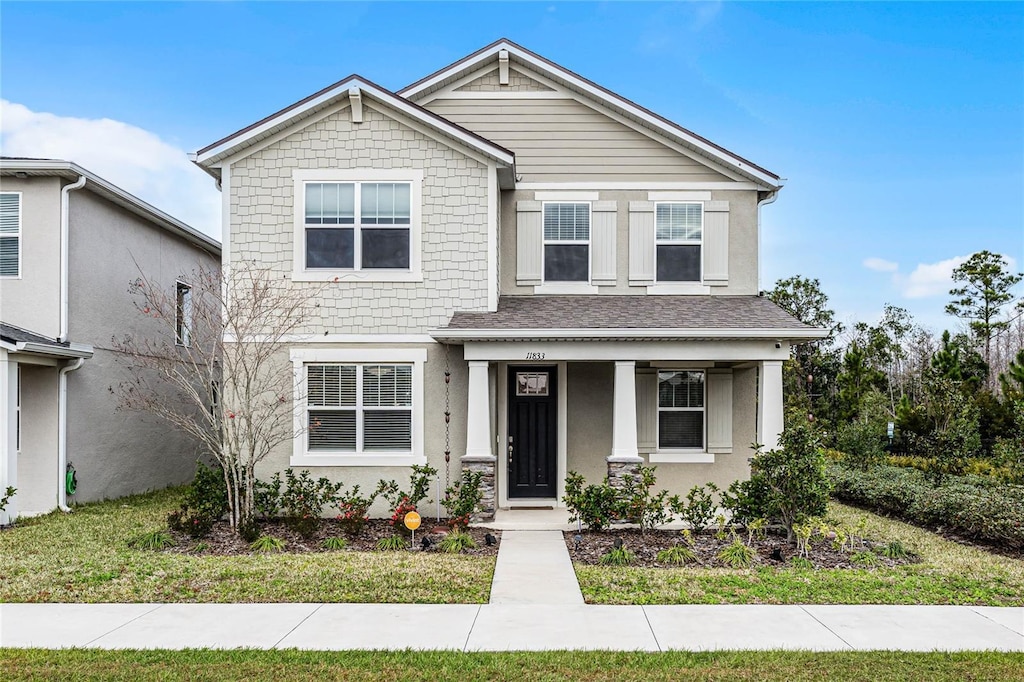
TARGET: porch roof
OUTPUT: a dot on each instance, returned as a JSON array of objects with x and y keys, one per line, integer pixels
[
  {"x": 616, "y": 317},
  {"x": 20, "y": 340}
]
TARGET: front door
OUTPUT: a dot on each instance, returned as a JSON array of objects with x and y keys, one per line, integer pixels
[{"x": 532, "y": 432}]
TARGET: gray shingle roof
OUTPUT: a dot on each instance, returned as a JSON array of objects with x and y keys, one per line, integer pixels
[
  {"x": 631, "y": 312},
  {"x": 42, "y": 345},
  {"x": 12, "y": 334}
]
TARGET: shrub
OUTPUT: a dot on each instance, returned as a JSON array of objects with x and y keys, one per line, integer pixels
[
  {"x": 457, "y": 541},
  {"x": 638, "y": 504},
  {"x": 699, "y": 508},
  {"x": 205, "y": 501},
  {"x": 266, "y": 544},
  {"x": 403, "y": 502},
  {"x": 8, "y": 494},
  {"x": 354, "y": 508},
  {"x": 677, "y": 554},
  {"x": 392, "y": 543},
  {"x": 595, "y": 506},
  {"x": 304, "y": 499},
  {"x": 863, "y": 443},
  {"x": 334, "y": 544},
  {"x": 267, "y": 497},
  {"x": 462, "y": 498},
  {"x": 157, "y": 539},
  {"x": 736, "y": 554},
  {"x": 617, "y": 556}
]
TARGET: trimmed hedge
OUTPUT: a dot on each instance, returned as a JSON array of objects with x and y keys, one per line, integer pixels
[{"x": 987, "y": 513}]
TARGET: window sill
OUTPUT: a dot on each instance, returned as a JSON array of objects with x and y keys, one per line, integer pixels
[
  {"x": 678, "y": 289},
  {"x": 362, "y": 276},
  {"x": 382, "y": 459},
  {"x": 559, "y": 288},
  {"x": 668, "y": 457}
]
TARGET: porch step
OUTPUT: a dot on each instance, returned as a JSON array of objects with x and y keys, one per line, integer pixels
[{"x": 534, "y": 567}]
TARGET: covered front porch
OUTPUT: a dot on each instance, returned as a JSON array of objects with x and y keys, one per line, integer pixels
[{"x": 592, "y": 395}]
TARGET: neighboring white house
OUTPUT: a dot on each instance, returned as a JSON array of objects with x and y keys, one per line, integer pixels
[
  {"x": 586, "y": 270},
  {"x": 70, "y": 244}
]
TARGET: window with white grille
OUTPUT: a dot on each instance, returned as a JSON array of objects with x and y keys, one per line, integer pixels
[
  {"x": 357, "y": 225},
  {"x": 681, "y": 410},
  {"x": 566, "y": 242},
  {"x": 678, "y": 237},
  {"x": 10, "y": 234}
]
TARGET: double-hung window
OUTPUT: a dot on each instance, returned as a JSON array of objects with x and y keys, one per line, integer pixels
[
  {"x": 10, "y": 234},
  {"x": 357, "y": 225},
  {"x": 566, "y": 242},
  {"x": 678, "y": 234},
  {"x": 681, "y": 410}
]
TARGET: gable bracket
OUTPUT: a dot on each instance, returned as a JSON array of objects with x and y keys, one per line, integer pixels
[{"x": 355, "y": 97}]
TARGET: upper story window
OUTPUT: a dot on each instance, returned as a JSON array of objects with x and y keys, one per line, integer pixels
[
  {"x": 358, "y": 225},
  {"x": 10, "y": 234},
  {"x": 681, "y": 410},
  {"x": 678, "y": 237},
  {"x": 566, "y": 242},
  {"x": 183, "y": 314}
]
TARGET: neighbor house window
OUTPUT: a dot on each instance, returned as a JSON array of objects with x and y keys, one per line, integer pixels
[
  {"x": 358, "y": 225},
  {"x": 678, "y": 231},
  {"x": 10, "y": 234},
  {"x": 680, "y": 410},
  {"x": 357, "y": 409},
  {"x": 183, "y": 315},
  {"x": 567, "y": 242}
]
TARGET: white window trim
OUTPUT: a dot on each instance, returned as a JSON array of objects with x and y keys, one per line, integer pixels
[
  {"x": 561, "y": 286},
  {"x": 681, "y": 455},
  {"x": 411, "y": 175},
  {"x": 183, "y": 339},
  {"x": 301, "y": 357},
  {"x": 675, "y": 286},
  {"x": 20, "y": 235}
]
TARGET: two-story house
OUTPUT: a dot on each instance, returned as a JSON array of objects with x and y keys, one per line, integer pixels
[
  {"x": 526, "y": 274},
  {"x": 70, "y": 244}
]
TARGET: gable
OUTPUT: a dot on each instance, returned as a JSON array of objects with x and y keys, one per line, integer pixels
[{"x": 517, "y": 82}]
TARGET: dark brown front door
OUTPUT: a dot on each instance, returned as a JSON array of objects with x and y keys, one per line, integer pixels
[{"x": 532, "y": 414}]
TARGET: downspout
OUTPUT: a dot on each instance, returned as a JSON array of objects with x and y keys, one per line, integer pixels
[
  {"x": 62, "y": 433},
  {"x": 65, "y": 202},
  {"x": 62, "y": 381},
  {"x": 770, "y": 199}
]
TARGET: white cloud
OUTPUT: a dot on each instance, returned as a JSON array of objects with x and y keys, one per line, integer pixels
[
  {"x": 880, "y": 265},
  {"x": 929, "y": 279},
  {"x": 132, "y": 158}
]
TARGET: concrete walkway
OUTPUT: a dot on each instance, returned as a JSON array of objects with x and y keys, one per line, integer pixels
[
  {"x": 511, "y": 627},
  {"x": 534, "y": 567}
]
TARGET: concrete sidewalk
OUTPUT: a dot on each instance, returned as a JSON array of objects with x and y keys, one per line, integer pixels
[
  {"x": 534, "y": 567},
  {"x": 511, "y": 627}
]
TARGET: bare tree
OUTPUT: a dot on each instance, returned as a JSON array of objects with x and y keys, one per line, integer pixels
[{"x": 215, "y": 370}]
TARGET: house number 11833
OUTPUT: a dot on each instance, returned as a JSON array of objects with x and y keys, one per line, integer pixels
[{"x": 535, "y": 356}]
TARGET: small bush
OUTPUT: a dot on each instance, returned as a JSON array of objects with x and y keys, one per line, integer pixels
[
  {"x": 801, "y": 563},
  {"x": 267, "y": 497},
  {"x": 678, "y": 555},
  {"x": 617, "y": 556},
  {"x": 8, "y": 494},
  {"x": 303, "y": 500},
  {"x": 205, "y": 501},
  {"x": 895, "y": 550},
  {"x": 699, "y": 507},
  {"x": 157, "y": 539},
  {"x": 736, "y": 554},
  {"x": 639, "y": 504},
  {"x": 392, "y": 543},
  {"x": 595, "y": 506},
  {"x": 863, "y": 558},
  {"x": 266, "y": 544},
  {"x": 334, "y": 544},
  {"x": 402, "y": 502},
  {"x": 456, "y": 542},
  {"x": 863, "y": 443},
  {"x": 462, "y": 498},
  {"x": 354, "y": 508}
]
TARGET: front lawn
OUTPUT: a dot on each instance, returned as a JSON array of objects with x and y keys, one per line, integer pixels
[
  {"x": 948, "y": 573},
  {"x": 90, "y": 664},
  {"x": 86, "y": 557}
]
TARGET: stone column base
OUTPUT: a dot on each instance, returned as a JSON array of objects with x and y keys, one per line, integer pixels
[
  {"x": 621, "y": 467},
  {"x": 488, "y": 501}
]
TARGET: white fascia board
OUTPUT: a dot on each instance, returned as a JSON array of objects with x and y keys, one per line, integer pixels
[
  {"x": 600, "y": 95},
  {"x": 445, "y": 334},
  {"x": 73, "y": 351},
  {"x": 342, "y": 91}
]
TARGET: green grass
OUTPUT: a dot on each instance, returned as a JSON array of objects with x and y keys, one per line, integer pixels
[
  {"x": 91, "y": 664},
  {"x": 949, "y": 573},
  {"x": 86, "y": 557}
]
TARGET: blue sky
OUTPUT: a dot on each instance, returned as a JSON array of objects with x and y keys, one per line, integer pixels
[{"x": 899, "y": 127}]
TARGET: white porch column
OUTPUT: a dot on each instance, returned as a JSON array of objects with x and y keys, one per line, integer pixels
[
  {"x": 624, "y": 442},
  {"x": 8, "y": 433},
  {"x": 478, "y": 414},
  {"x": 769, "y": 404}
]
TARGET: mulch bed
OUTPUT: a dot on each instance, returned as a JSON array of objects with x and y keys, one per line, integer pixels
[
  {"x": 225, "y": 542},
  {"x": 645, "y": 547}
]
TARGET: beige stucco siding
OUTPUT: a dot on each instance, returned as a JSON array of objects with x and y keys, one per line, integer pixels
[
  {"x": 33, "y": 301},
  {"x": 563, "y": 140},
  {"x": 454, "y": 221},
  {"x": 37, "y": 460}
]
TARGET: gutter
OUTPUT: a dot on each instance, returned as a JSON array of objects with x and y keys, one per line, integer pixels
[
  {"x": 606, "y": 334},
  {"x": 65, "y": 202},
  {"x": 62, "y": 432},
  {"x": 770, "y": 199}
]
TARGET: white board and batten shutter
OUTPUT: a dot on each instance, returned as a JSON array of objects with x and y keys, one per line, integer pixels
[
  {"x": 719, "y": 411},
  {"x": 602, "y": 243},
  {"x": 716, "y": 243},
  {"x": 647, "y": 410},
  {"x": 529, "y": 242},
  {"x": 641, "y": 243}
]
